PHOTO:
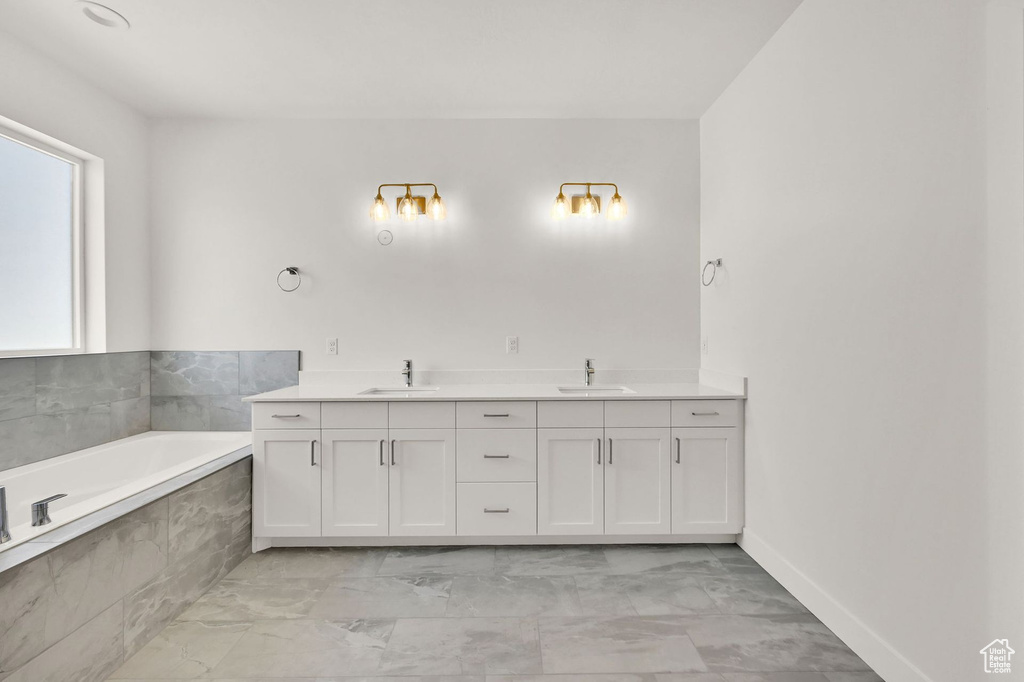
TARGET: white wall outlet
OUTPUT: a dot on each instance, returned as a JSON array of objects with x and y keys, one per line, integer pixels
[
  {"x": 332, "y": 346},
  {"x": 511, "y": 344},
  {"x": 704, "y": 345}
]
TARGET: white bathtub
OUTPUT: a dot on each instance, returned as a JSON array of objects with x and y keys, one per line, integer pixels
[{"x": 101, "y": 476}]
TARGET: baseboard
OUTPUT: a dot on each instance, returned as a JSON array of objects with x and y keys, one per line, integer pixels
[{"x": 864, "y": 641}]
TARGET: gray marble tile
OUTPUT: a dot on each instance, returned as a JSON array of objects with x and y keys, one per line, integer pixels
[
  {"x": 17, "y": 388},
  {"x": 462, "y": 646},
  {"x": 180, "y": 413},
  {"x": 384, "y": 597},
  {"x": 519, "y": 596},
  {"x": 770, "y": 644},
  {"x": 307, "y": 648},
  {"x": 775, "y": 677},
  {"x": 184, "y": 650},
  {"x": 41, "y": 436},
  {"x": 71, "y": 382},
  {"x": 688, "y": 677},
  {"x": 180, "y": 373},
  {"x": 751, "y": 595},
  {"x": 262, "y": 371},
  {"x": 728, "y": 551},
  {"x": 89, "y": 654},
  {"x": 677, "y": 559},
  {"x": 301, "y": 562},
  {"x": 129, "y": 417},
  {"x": 558, "y": 560},
  {"x": 617, "y": 644},
  {"x": 229, "y": 413},
  {"x": 644, "y": 594},
  {"x": 214, "y": 509},
  {"x": 620, "y": 677},
  {"x": 853, "y": 677},
  {"x": 27, "y": 595},
  {"x": 240, "y": 600},
  {"x": 438, "y": 561}
]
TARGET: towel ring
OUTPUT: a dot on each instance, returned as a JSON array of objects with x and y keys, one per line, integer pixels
[
  {"x": 714, "y": 264},
  {"x": 290, "y": 271}
]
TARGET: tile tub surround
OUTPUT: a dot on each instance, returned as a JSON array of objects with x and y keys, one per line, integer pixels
[
  {"x": 76, "y": 612},
  {"x": 203, "y": 390},
  {"x": 690, "y": 613}
]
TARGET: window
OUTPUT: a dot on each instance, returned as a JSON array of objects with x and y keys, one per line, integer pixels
[{"x": 40, "y": 253}]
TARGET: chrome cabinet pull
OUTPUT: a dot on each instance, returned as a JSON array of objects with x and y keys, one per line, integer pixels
[
  {"x": 392, "y": 452},
  {"x": 312, "y": 453},
  {"x": 382, "y": 452},
  {"x": 496, "y": 415},
  {"x": 609, "y": 450},
  {"x": 285, "y": 416},
  {"x": 495, "y": 511},
  {"x": 704, "y": 414},
  {"x": 598, "y": 450},
  {"x": 496, "y": 456},
  {"x": 679, "y": 448}
]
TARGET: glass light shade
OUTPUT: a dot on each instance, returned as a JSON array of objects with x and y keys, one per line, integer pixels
[
  {"x": 436, "y": 209},
  {"x": 561, "y": 207},
  {"x": 379, "y": 211},
  {"x": 407, "y": 208},
  {"x": 617, "y": 208},
  {"x": 588, "y": 207}
]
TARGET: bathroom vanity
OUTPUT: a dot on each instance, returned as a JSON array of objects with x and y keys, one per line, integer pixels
[{"x": 509, "y": 464}]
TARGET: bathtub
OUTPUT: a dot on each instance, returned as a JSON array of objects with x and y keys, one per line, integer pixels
[{"x": 99, "y": 477}]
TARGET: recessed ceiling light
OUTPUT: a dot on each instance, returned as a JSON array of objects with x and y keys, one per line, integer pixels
[{"x": 102, "y": 15}]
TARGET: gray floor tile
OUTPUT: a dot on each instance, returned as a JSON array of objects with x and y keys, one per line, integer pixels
[
  {"x": 728, "y": 551},
  {"x": 605, "y": 595},
  {"x": 557, "y": 560},
  {"x": 183, "y": 650},
  {"x": 775, "y": 677},
  {"x": 688, "y": 677},
  {"x": 615, "y": 677},
  {"x": 447, "y": 561},
  {"x": 619, "y": 644},
  {"x": 751, "y": 595},
  {"x": 384, "y": 597},
  {"x": 287, "y": 563},
  {"x": 244, "y": 600},
  {"x": 853, "y": 677},
  {"x": 521, "y": 596},
  {"x": 643, "y": 595},
  {"x": 462, "y": 646},
  {"x": 677, "y": 559}
]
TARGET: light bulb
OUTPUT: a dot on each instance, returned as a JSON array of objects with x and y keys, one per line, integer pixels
[
  {"x": 561, "y": 207},
  {"x": 379, "y": 211},
  {"x": 407, "y": 207},
  {"x": 617, "y": 209},
  {"x": 436, "y": 209},
  {"x": 588, "y": 207}
]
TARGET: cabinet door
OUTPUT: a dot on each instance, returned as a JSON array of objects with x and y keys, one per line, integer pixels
[
  {"x": 286, "y": 483},
  {"x": 422, "y": 481},
  {"x": 355, "y": 482},
  {"x": 570, "y": 482},
  {"x": 637, "y": 484},
  {"x": 707, "y": 481}
]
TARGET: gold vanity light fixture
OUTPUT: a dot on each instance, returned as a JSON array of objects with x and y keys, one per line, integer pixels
[
  {"x": 588, "y": 205},
  {"x": 409, "y": 207}
]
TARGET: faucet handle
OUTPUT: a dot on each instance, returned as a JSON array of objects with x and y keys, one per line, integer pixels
[{"x": 41, "y": 509}]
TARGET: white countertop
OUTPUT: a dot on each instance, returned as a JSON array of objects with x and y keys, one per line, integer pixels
[{"x": 341, "y": 393}]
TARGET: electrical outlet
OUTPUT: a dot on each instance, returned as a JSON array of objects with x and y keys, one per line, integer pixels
[
  {"x": 332, "y": 346},
  {"x": 511, "y": 344},
  {"x": 704, "y": 345}
]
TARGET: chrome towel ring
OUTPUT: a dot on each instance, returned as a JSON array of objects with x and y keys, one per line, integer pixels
[
  {"x": 290, "y": 271},
  {"x": 714, "y": 265}
]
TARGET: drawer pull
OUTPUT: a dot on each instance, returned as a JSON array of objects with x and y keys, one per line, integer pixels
[
  {"x": 495, "y": 511},
  {"x": 496, "y": 456},
  {"x": 285, "y": 416},
  {"x": 704, "y": 414},
  {"x": 496, "y": 415}
]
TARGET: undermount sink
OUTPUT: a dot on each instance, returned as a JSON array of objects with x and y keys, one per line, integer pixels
[
  {"x": 401, "y": 390},
  {"x": 594, "y": 390}
]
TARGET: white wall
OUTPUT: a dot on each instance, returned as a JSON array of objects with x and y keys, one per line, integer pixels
[
  {"x": 37, "y": 93},
  {"x": 843, "y": 183},
  {"x": 234, "y": 202}
]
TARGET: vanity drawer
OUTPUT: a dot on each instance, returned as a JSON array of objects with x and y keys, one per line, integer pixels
[
  {"x": 496, "y": 455},
  {"x": 286, "y": 415},
  {"x": 497, "y": 509},
  {"x": 570, "y": 414},
  {"x": 637, "y": 413},
  {"x": 705, "y": 412},
  {"x": 354, "y": 415},
  {"x": 421, "y": 415},
  {"x": 507, "y": 414}
]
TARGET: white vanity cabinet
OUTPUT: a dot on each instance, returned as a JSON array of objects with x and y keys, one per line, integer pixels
[
  {"x": 637, "y": 481},
  {"x": 422, "y": 482},
  {"x": 354, "y": 482},
  {"x": 286, "y": 483},
  {"x": 570, "y": 481}
]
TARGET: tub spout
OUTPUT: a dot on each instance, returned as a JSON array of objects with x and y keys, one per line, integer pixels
[{"x": 5, "y": 526}]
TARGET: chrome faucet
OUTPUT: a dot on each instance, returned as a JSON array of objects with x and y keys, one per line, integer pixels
[
  {"x": 41, "y": 510},
  {"x": 588, "y": 371},
  {"x": 5, "y": 525},
  {"x": 407, "y": 373}
]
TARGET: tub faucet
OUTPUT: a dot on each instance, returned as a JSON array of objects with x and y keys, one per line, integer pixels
[
  {"x": 407, "y": 373},
  {"x": 41, "y": 510},
  {"x": 588, "y": 371},
  {"x": 5, "y": 525}
]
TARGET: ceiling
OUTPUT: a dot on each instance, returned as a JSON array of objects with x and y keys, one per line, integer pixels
[{"x": 407, "y": 59}]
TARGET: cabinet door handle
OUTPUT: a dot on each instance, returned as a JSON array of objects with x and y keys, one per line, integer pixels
[
  {"x": 609, "y": 450},
  {"x": 496, "y": 456},
  {"x": 392, "y": 452},
  {"x": 496, "y": 415},
  {"x": 285, "y": 416},
  {"x": 704, "y": 414},
  {"x": 679, "y": 449},
  {"x": 382, "y": 452},
  {"x": 312, "y": 453},
  {"x": 598, "y": 451},
  {"x": 495, "y": 511}
]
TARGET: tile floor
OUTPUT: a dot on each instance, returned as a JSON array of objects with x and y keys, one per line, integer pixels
[{"x": 691, "y": 613}]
